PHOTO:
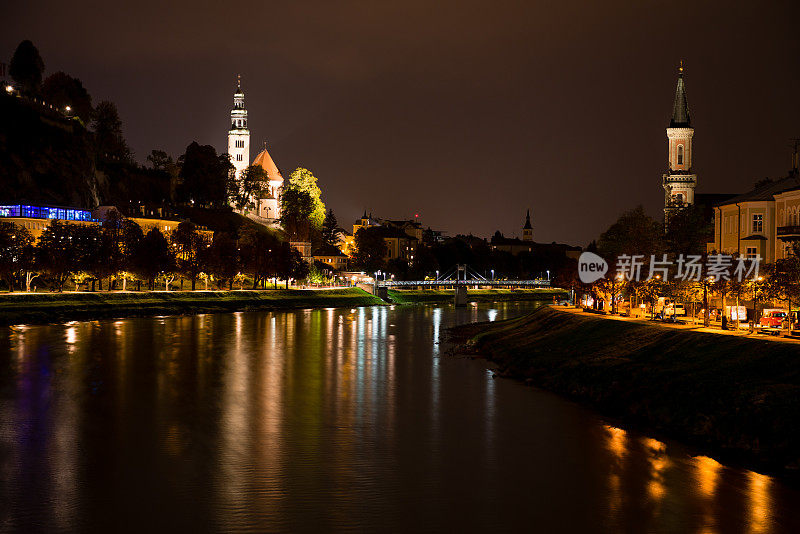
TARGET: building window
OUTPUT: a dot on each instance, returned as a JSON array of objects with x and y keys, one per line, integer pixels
[
  {"x": 680, "y": 154},
  {"x": 238, "y": 157},
  {"x": 751, "y": 253},
  {"x": 758, "y": 222}
]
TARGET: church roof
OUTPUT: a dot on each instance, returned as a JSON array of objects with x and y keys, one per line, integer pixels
[
  {"x": 680, "y": 109},
  {"x": 528, "y": 221},
  {"x": 265, "y": 161}
]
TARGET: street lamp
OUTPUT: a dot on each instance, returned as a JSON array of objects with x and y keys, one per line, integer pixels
[{"x": 492, "y": 274}]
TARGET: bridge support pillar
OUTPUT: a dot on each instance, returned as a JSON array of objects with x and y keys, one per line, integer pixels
[
  {"x": 460, "y": 296},
  {"x": 382, "y": 292}
]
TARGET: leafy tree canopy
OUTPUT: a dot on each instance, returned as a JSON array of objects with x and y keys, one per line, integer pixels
[
  {"x": 204, "y": 176},
  {"x": 371, "y": 249},
  {"x": 107, "y": 128},
  {"x": 26, "y": 68},
  {"x": 62, "y": 90},
  {"x": 297, "y": 208},
  {"x": 304, "y": 180},
  {"x": 634, "y": 232}
]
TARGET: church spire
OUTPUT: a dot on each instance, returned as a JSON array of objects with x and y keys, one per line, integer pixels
[
  {"x": 527, "y": 230},
  {"x": 680, "y": 109}
]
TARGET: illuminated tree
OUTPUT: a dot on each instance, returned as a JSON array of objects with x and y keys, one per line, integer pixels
[
  {"x": 14, "y": 242},
  {"x": 251, "y": 184},
  {"x": 222, "y": 258},
  {"x": 329, "y": 229},
  {"x": 304, "y": 180},
  {"x": 154, "y": 256},
  {"x": 188, "y": 244},
  {"x": 55, "y": 252},
  {"x": 297, "y": 208}
]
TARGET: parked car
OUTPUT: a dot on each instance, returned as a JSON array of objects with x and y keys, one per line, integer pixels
[
  {"x": 671, "y": 311},
  {"x": 773, "y": 318}
]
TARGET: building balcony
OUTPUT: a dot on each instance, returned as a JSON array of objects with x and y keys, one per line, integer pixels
[{"x": 788, "y": 233}]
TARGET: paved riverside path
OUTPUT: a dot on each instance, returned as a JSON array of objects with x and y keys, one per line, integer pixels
[{"x": 742, "y": 332}]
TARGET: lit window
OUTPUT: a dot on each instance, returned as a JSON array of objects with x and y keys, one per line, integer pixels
[
  {"x": 758, "y": 222},
  {"x": 751, "y": 253}
]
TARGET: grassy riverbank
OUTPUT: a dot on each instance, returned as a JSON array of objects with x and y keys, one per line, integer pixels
[
  {"x": 737, "y": 397},
  {"x": 432, "y": 296},
  {"x": 57, "y": 307}
]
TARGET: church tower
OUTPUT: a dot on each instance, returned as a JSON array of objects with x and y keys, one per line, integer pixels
[
  {"x": 679, "y": 182},
  {"x": 239, "y": 135},
  {"x": 527, "y": 230}
]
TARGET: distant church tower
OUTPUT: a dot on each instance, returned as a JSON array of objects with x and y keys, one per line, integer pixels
[
  {"x": 527, "y": 230},
  {"x": 679, "y": 183},
  {"x": 239, "y": 135}
]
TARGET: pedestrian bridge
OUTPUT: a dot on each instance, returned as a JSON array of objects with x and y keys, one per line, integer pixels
[{"x": 460, "y": 278}]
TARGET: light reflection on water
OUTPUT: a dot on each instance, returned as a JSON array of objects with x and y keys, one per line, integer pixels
[{"x": 329, "y": 419}]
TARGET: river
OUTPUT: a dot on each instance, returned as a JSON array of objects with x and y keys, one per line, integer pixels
[{"x": 331, "y": 419}]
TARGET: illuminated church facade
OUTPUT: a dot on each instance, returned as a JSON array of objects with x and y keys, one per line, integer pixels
[{"x": 267, "y": 207}]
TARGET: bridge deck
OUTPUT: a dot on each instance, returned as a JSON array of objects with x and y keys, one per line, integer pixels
[{"x": 474, "y": 282}]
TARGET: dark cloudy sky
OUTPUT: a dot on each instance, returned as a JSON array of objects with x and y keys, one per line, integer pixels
[{"x": 464, "y": 112}]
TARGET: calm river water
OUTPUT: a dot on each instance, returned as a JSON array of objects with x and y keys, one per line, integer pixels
[{"x": 321, "y": 420}]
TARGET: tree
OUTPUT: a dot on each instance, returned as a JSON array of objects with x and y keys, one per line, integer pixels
[
  {"x": 62, "y": 90},
  {"x": 304, "y": 180},
  {"x": 85, "y": 241},
  {"x": 329, "y": 229},
  {"x": 223, "y": 257},
  {"x": 188, "y": 243},
  {"x": 26, "y": 68},
  {"x": 154, "y": 256},
  {"x": 14, "y": 241},
  {"x": 159, "y": 160},
  {"x": 252, "y": 184},
  {"x": 257, "y": 249},
  {"x": 55, "y": 252},
  {"x": 297, "y": 208},
  {"x": 204, "y": 176},
  {"x": 131, "y": 237},
  {"x": 689, "y": 231},
  {"x": 108, "y": 137},
  {"x": 371, "y": 249},
  {"x": 634, "y": 232},
  {"x": 289, "y": 263}
]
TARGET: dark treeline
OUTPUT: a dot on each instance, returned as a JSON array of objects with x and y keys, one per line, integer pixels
[
  {"x": 57, "y": 146},
  {"x": 118, "y": 253}
]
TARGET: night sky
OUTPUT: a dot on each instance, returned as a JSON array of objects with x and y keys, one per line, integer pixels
[{"x": 464, "y": 112}]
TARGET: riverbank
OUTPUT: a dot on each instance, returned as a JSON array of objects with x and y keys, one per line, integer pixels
[
  {"x": 736, "y": 397},
  {"x": 42, "y": 308},
  {"x": 438, "y": 296}
]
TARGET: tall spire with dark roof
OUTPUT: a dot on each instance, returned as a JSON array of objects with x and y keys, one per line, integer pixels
[
  {"x": 680, "y": 110},
  {"x": 528, "y": 221}
]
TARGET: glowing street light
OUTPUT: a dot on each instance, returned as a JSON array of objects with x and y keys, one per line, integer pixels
[{"x": 9, "y": 89}]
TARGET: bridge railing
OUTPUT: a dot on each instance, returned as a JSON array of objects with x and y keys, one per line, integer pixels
[{"x": 471, "y": 282}]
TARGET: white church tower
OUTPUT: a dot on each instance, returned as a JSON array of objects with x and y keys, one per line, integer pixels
[
  {"x": 679, "y": 182},
  {"x": 239, "y": 135}
]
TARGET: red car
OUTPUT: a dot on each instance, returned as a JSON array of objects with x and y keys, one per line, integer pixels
[{"x": 773, "y": 318}]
